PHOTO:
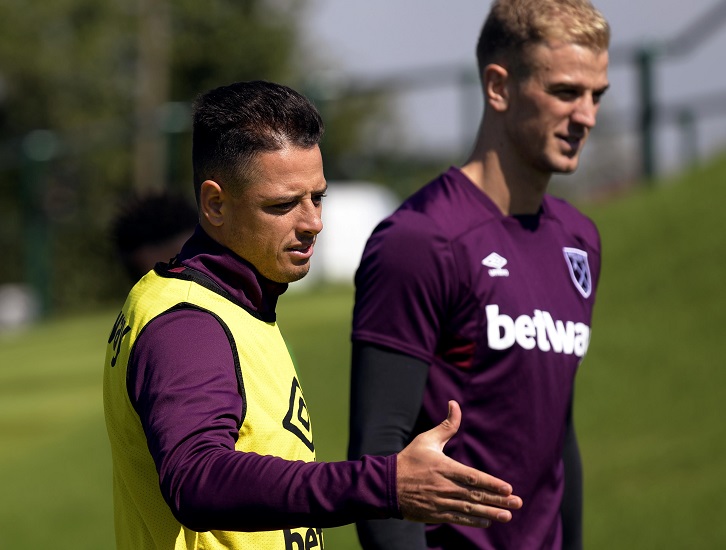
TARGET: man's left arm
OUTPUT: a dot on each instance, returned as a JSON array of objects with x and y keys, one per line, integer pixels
[{"x": 571, "y": 508}]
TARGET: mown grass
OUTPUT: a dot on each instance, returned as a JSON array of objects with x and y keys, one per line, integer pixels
[
  {"x": 650, "y": 394},
  {"x": 651, "y": 391},
  {"x": 54, "y": 459}
]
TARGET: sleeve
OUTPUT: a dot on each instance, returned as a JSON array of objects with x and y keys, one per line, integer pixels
[
  {"x": 403, "y": 285},
  {"x": 571, "y": 508},
  {"x": 182, "y": 384},
  {"x": 382, "y": 418}
]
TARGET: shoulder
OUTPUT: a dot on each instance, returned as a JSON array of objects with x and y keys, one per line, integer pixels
[
  {"x": 182, "y": 333},
  {"x": 572, "y": 221},
  {"x": 444, "y": 209},
  {"x": 182, "y": 348}
]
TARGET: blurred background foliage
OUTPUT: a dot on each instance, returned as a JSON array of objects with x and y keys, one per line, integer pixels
[
  {"x": 94, "y": 105},
  {"x": 95, "y": 102}
]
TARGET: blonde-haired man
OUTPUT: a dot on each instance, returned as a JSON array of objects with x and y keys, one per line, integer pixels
[{"x": 481, "y": 286}]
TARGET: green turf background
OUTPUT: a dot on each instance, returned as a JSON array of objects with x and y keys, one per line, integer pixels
[{"x": 650, "y": 395}]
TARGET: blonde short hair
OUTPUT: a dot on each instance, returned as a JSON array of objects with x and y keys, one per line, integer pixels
[{"x": 514, "y": 25}]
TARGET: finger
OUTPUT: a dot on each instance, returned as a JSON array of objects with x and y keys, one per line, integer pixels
[
  {"x": 485, "y": 498},
  {"x": 453, "y": 419},
  {"x": 466, "y": 513},
  {"x": 466, "y": 497},
  {"x": 475, "y": 479},
  {"x": 439, "y": 436},
  {"x": 467, "y": 521}
]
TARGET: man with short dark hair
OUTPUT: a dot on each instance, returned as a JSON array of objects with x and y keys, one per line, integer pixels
[
  {"x": 480, "y": 287},
  {"x": 210, "y": 437}
]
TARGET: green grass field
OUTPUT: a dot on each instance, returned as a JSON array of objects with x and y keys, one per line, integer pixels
[{"x": 650, "y": 395}]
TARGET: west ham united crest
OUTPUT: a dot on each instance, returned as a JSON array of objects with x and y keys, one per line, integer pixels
[{"x": 579, "y": 270}]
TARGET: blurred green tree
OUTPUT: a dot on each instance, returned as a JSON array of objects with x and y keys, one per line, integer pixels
[{"x": 94, "y": 98}]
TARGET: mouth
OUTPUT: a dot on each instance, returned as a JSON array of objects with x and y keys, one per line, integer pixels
[
  {"x": 572, "y": 143},
  {"x": 302, "y": 251}
]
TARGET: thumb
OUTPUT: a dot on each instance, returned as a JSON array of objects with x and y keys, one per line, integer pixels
[{"x": 441, "y": 434}]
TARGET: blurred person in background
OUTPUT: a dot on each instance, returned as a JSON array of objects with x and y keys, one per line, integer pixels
[
  {"x": 480, "y": 288},
  {"x": 210, "y": 435},
  {"x": 151, "y": 228}
]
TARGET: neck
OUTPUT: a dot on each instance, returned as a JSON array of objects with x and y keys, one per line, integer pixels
[
  {"x": 233, "y": 274},
  {"x": 508, "y": 181}
]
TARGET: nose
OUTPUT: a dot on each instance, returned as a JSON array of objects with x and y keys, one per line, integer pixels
[
  {"x": 310, "y": 220},
  {"x": 586, "y": 112}
]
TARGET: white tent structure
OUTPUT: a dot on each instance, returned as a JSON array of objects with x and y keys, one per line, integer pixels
[{"x": 351, "y": 210}]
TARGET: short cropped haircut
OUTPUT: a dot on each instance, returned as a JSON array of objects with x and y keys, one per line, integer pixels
[
  {"x": 514, "y": 25},
  {"x": 233, "y": 124}
]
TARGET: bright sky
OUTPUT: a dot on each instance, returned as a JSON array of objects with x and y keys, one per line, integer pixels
[{"x": 379, "y": 38}]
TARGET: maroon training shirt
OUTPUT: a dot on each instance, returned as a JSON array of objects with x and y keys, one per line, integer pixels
[
  {"x": 500, "y": 308},
  {"x": 182, "y": 383}
]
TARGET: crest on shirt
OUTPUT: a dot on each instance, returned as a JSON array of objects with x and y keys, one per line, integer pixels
[
  {"x": 579, "y": 270},
  {"x": 297, "y": 419}
]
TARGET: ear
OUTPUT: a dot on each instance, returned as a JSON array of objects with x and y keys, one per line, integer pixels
[
  {"x": 496, "y": 92},
  {"x": 211, "y": 199}
]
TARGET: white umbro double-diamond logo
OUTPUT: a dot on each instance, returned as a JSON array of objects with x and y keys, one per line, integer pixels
[{"x": 496, "y": 264}]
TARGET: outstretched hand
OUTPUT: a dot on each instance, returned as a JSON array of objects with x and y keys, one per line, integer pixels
[{"x": 434, "y": 488}]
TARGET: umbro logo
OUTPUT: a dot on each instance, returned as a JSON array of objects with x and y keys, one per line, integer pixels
[
  {"x": 297, "y": 419},
  {"x": 496, "y": 264}
]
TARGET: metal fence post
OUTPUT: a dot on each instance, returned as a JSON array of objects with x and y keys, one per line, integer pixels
[
  {"x": 689, "y": 136},
  {"x": 644, "y": 61},
  {"x": 38, "y": 148}
]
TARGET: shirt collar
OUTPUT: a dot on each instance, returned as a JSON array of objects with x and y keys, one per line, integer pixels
[{"x": 233, "y": 274}]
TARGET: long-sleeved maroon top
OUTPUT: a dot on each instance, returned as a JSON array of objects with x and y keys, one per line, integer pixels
[{"x": 181, "y": 381}]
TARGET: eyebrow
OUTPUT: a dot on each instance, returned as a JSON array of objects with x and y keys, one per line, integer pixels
[
  {"x": 564, "y": 86},
  {"x": 575, "y": 85},
  {"x": 297, "y": 196}
]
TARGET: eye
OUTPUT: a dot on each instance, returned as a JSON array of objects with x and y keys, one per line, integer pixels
[
  {"x": 567, "y": 94},
  {"x": 283, "y": 206},
  {"x": 318, "y": 198}
]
